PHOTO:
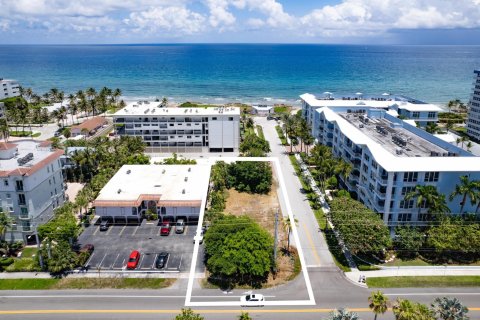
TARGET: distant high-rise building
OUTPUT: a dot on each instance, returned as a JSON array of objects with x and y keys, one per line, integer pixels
[
  {"x": 9, "y": 88},
  {"x": 473, "y": 122}
]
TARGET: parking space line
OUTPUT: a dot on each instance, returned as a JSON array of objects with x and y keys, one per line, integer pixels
[
  {"x": 139, "y": 266},
  {"x": 153, "y": 264},
  {"x": 89, "y": 259},
  {"x": 180, "y": 264},
  {"x": 96, "y": 230},
  {"x": 134, "y": 232},
  {"x": 122, "y": 230},
  {"x": 101, "y": 262},
  {"x": 185, "y": 231},
  {"x": 109, "y": 230},
  {"x": 118, "y": 255}
]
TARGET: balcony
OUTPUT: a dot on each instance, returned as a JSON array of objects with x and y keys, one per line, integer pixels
[{"x": 24, "y": 216}]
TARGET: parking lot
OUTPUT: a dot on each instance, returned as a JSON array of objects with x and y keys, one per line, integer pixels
[{"x": 113, "y": 247}]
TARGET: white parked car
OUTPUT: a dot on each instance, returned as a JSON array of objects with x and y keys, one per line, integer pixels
[{"x": 252, "y": 300}]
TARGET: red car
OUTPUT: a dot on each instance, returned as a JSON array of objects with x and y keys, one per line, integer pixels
[
  {"x": 165, "y": 229},
  {"x": 133, "y": 260}
]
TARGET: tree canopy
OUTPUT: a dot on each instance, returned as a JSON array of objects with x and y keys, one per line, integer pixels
[
  {"x": 250, "y": 176},
  {"x": 238, "y": 249},
  {"x": 361, "y": 229}
]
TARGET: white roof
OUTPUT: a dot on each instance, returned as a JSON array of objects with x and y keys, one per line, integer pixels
[
  {"x": 392, "y": 163},
  {"x": 446, "y": 137},
  {"x": 262, "y": 107},
  {"x": 154, "y": 109},
  {"x": 166, "y": 180},
  {"x": 384, "y": 104}
]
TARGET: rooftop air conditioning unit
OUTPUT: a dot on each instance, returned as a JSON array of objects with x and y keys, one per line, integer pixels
[
  {"x": 183, "y": 191},
  {"x": 119, "y": 191},
  {"x": 129, "y": 171}
]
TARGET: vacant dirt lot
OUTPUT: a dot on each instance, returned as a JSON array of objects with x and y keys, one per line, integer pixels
[{"x": 262, "y": 209}]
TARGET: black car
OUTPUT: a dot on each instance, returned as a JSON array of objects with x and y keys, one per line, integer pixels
[
  {"x": 104, "y": 225},
  {"x": 161, "y": 260}
]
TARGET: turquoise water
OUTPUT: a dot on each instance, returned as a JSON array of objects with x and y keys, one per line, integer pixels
[{"x": 249, "y": 73}]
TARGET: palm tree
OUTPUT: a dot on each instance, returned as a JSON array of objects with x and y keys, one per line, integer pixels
[
  {"x": 4, "y": 129},
  {"x": 5, "y": 223},
  {"x": 164, "y": 102},
  {"x": 289, "y": 127},
  {"x": 466, "y": 188},
  {"x": 287, "y": 226},
  {"x": 404, "y": 310},
  {"x": 343, "y": 314},
  {"x": 469, "y": 145},
  {"x": 343, "y": 168},
  {"x": 464, "y": 139},
  {"x": 449, "y": 125},
  {"x": 116, "y": 94},
  {"x": 449, "y": 309},
  {"x": 427, "y": 197},
  {"x": 378, "y": 303},
  {"x": 53, "y": 94}
]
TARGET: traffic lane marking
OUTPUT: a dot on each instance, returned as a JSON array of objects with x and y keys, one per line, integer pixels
[
  {"x": 310, "y": 240},
  {"x": 173, "y": 311}
]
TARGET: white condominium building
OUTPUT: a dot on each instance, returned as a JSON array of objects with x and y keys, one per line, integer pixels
[
  {"x": 9, "y": 88},
  {"x": 390, "y": 157},
  {"x": 473, "y": 122},
  {"x": 400, "y": 106},
  {"x": 31, "y": 185},
  {"x": 181, "y": 129}
]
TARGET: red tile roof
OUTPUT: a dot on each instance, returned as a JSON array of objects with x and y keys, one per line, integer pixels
[{"x": 90, "y": 124}]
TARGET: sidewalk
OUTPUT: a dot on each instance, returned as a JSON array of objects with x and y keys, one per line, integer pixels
[
  {"x": 414, "y": 272},
  {"x": 102, "y": 274}
]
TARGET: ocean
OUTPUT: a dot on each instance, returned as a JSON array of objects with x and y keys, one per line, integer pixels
[{"x": 246, "y": 73}]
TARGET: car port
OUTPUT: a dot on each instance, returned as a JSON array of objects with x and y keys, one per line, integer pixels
[{"x": 113, "y": 247}]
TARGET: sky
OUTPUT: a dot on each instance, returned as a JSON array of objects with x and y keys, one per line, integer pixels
[{"x": 240, "y": 21}]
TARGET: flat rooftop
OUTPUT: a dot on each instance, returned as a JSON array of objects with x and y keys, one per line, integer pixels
[
  {"x": 155, "y": 109},
  {"x": 133, "y": 183},
  {"x": 398, "y": 141},
  {"x": 30, "y": 155},
  {"x": 369, "y": 101}
]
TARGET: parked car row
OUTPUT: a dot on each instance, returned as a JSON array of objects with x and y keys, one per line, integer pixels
[
  {"x": 134, "y": 259},
  {"x": 164, "y": 229}
]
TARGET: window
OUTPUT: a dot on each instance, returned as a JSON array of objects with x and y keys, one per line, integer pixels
[
  {"x": 410, "y": 177},
  {"x": 19, "y": 185},
  {"x": 8, "y": 195},
  {"x": 406, "y": 204},
  {"x": 405, "y": 217},
  {"x": 134, "y": 211},
  {"x": 407, "y": 190},
  {"x": 21, "y": 199},
  {"x": 415, "y": 114},
  {"x": 50, "y": 181},
  {"x": 367, "y": 157},
  {"x": 214, "y": 118},
  {"x": 24, "y": 211},
  {"x": 230, "y": 118},
  {"x": 431, "y": 176},
  {"x": 432, "y": 115},
  {"x": 5, "y": 182}
]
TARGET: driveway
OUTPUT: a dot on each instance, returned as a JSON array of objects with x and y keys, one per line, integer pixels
[{"x": 313, "y": 243}]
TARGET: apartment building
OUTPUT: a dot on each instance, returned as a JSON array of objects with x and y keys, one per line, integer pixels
[
  {"x": 399, "y": 106},
  {"x": 473, "y": 122},
  {"x": 181, "y": 129},
  {"x": 172, "y": 191},
  {"x": 31, "y": 185},
  {"x": 9, "y": 88},
  {"x": 390, "y": 157}
]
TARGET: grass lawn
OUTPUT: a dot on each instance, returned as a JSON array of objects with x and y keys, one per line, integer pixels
[
  {"x": 281, "y": 136},
  {"x": 429, "y": 281},
  {"x": 20, "y": 133},
  {"x": 399, "y": 263},
  {"x": 85, "y": 283},
  {"x": 29, "y": 252}
]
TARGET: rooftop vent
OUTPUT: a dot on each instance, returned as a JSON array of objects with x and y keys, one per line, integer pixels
[
  {"x": 119, "y": 191},
  {"x": 189, "y": 169},
  {"x": 129, "y": 171},
  {"x": 163, "y": 171},
  {"x": 183, "y": 191},
  {"x": 186, "y": 179}
]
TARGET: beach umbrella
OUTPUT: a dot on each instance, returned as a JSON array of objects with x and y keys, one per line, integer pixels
[
  {"x": 358, "y": 93},
  {"x": 385, "y": 94}
]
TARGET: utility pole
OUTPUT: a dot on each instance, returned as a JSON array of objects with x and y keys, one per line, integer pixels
[
  {"x": 40, "y": 258},
  {"x": 275, "y": 245}
]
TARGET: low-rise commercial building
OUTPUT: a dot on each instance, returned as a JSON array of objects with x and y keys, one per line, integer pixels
[
  {"x": 262, "y": 109},
  {"x": 181, "y": 129},
  {"x": 88, "y": 127},
  {"x": 171, "y": 191},
  {"x": 9, "y": 88},
  {"x": 389, "y": 158},
  {"x": 31, "y": 185},
  {"x": 400, "y": 106},
  {"x": 473, "y": 122}
]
